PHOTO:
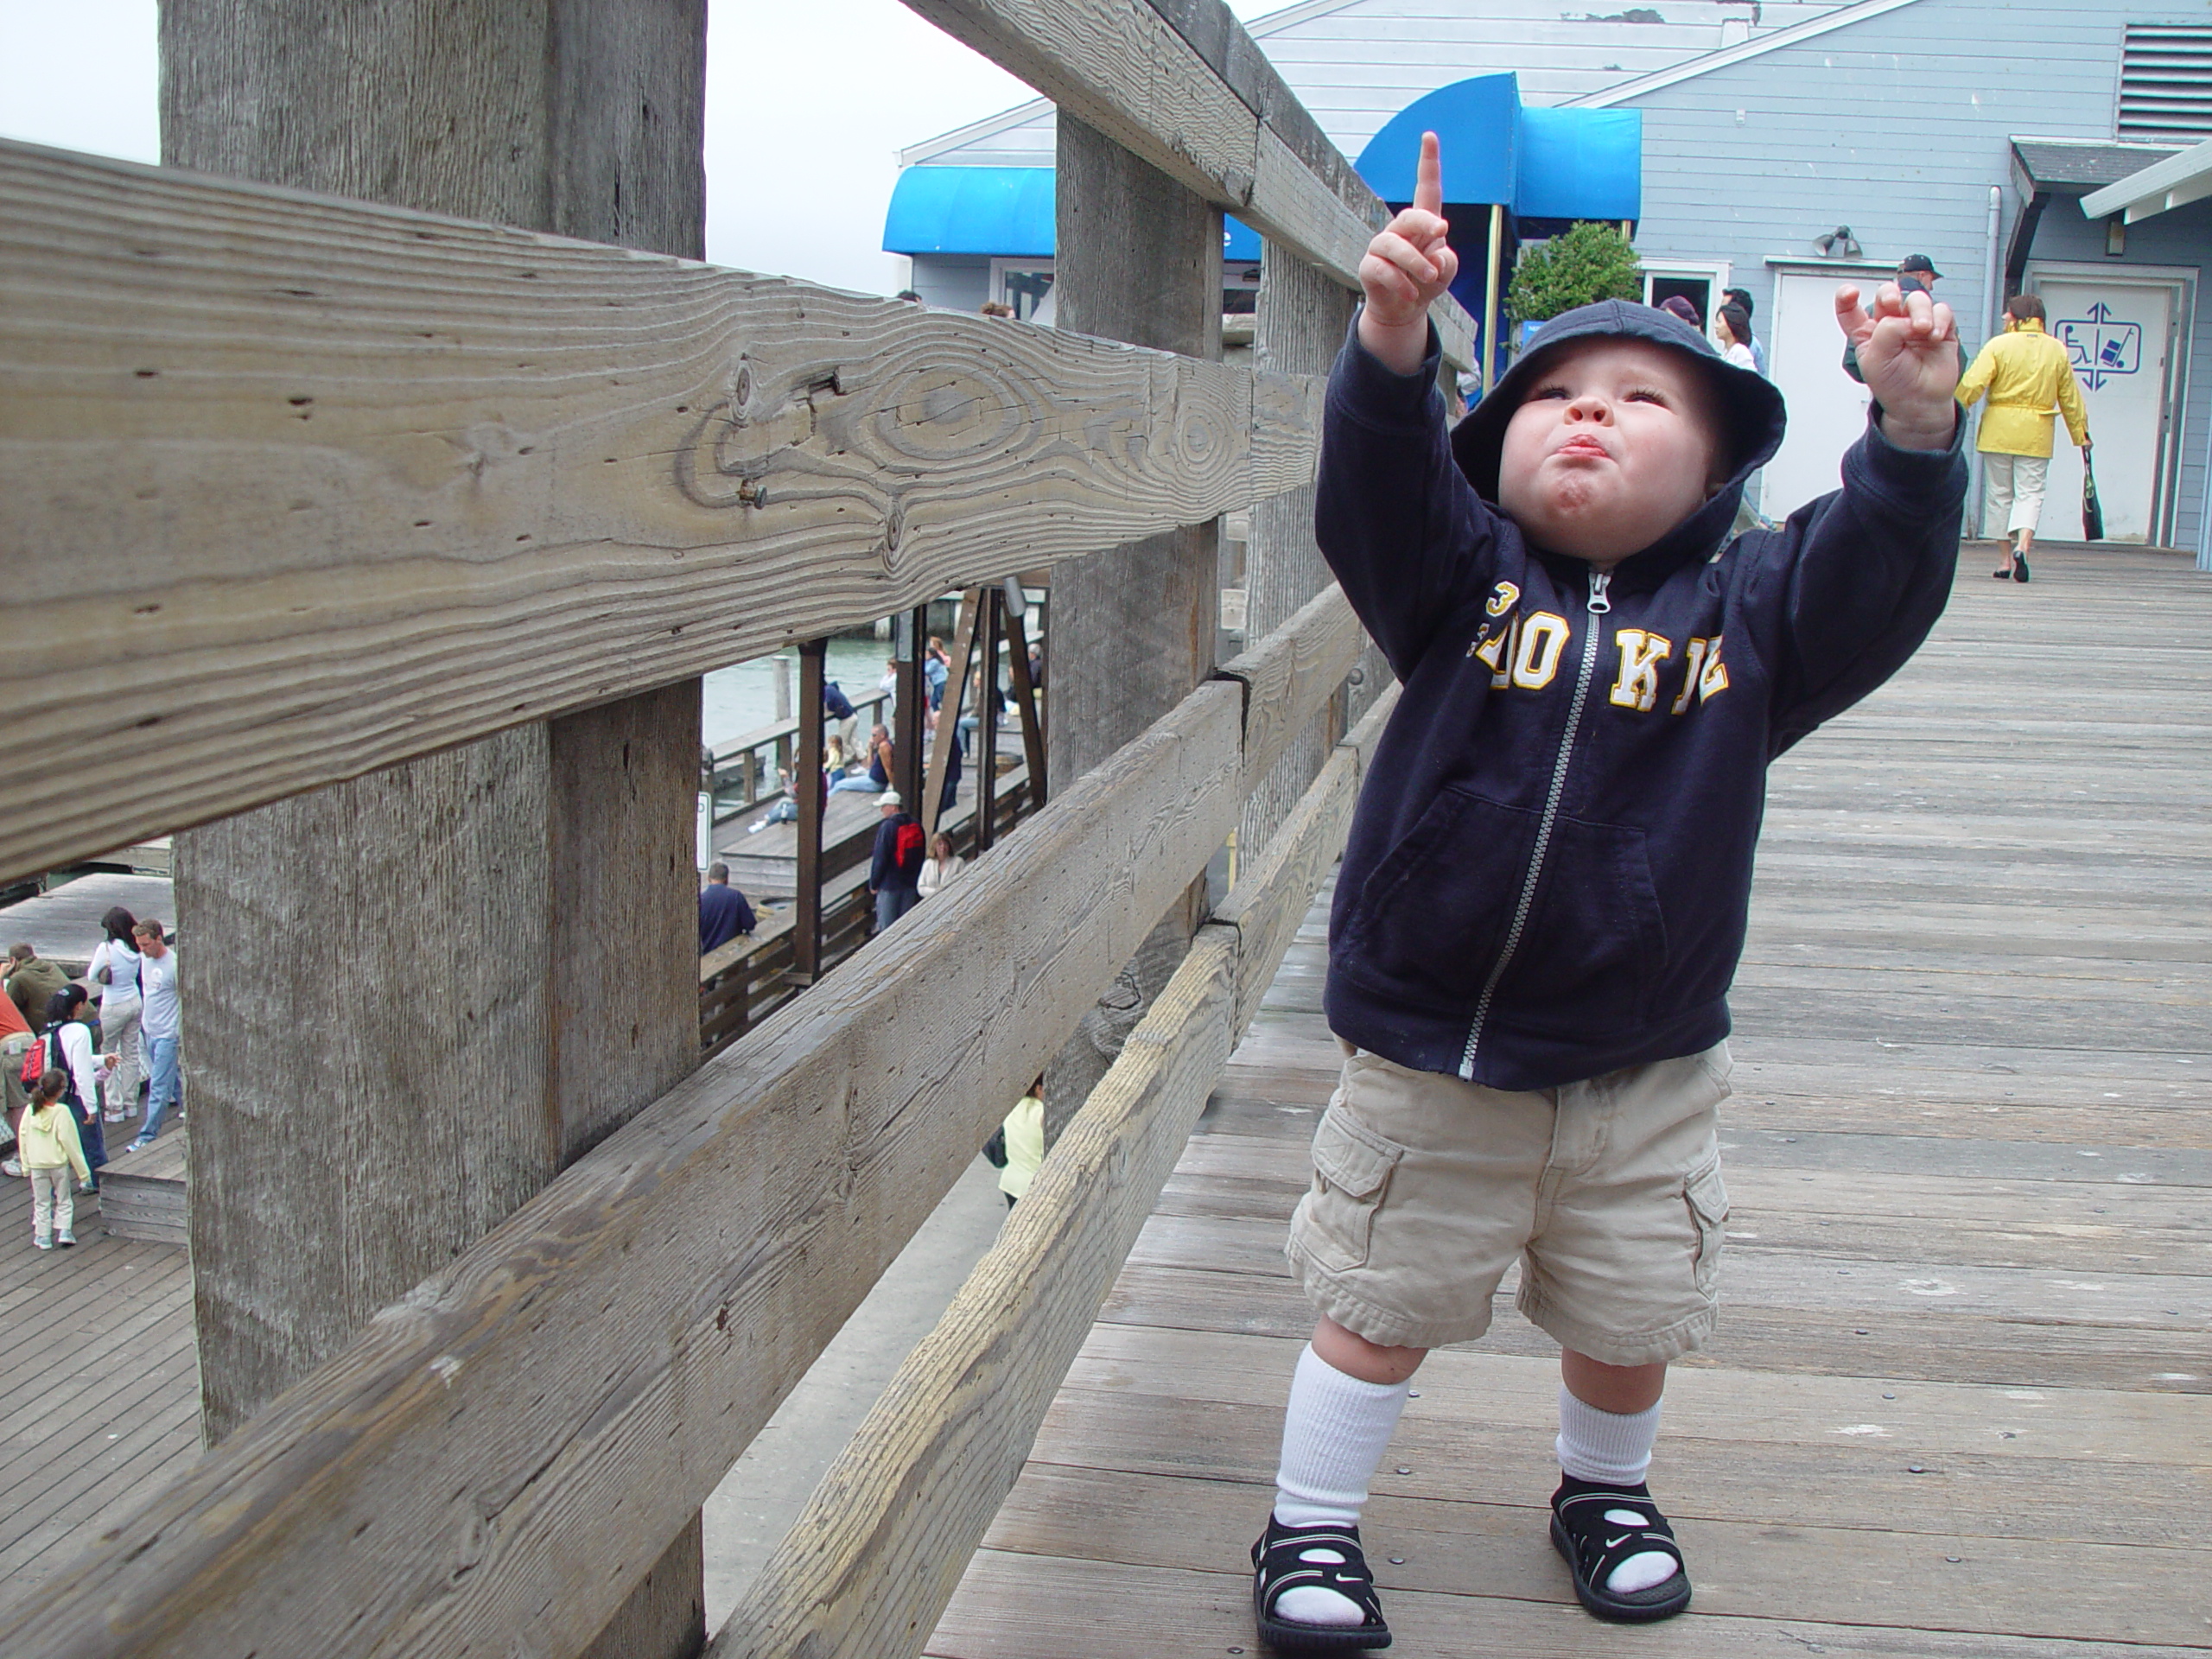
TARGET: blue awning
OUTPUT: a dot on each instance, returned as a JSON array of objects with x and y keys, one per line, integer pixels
[
  {"x": 1581, "y": 164},
  {"x": 1476, "y": 123},
  {"x": 1543, "y": 163},
  {"x": 1006, "y": 210},
  {"x": 1002, "y": 211}
]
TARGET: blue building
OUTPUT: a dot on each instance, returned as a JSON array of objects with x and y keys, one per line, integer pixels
[{"x": 2032, "y": 146}]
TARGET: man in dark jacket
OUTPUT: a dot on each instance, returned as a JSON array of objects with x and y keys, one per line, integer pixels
[
  {"x": 723, "y": 913},
  {"x": 894, "y": 873},
  {"x": 1544, "y": 894},
  {"x": 32, "y": 982}
]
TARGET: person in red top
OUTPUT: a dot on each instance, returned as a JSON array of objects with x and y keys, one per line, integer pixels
[{"x": 15, "y": 1043}]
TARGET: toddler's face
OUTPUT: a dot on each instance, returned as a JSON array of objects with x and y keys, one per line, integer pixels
[{"x": 1614, "y": 445}]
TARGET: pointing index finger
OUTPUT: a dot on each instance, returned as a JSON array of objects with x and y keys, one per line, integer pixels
[{"x": 1428, "y": 179}]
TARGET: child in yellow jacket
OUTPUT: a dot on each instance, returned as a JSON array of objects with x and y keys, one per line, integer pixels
[{"x": 53, "y": 1158}]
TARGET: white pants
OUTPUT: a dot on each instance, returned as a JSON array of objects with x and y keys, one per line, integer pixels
[
  {"x": 2015, "y": 489},
  {"x": 119, "y": 1037},
  {"x": 53, "y": 1200}
]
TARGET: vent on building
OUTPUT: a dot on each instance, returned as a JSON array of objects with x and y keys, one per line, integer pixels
[{"x": 2166, "y": 82}]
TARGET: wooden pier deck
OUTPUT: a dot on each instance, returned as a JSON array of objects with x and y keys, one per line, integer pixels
[
  {"x": 1957, "y": 1402},
  {"x": 101, "y": 1384}
]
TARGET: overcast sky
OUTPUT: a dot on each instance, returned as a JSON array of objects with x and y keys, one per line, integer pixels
[{"x": 805, "y": 105}]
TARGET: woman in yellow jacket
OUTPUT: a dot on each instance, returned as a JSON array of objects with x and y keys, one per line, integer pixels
[{"x": 2024, "y": 372}]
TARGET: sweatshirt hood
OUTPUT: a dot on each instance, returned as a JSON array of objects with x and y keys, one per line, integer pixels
[{"x": 1752, "y": 419}]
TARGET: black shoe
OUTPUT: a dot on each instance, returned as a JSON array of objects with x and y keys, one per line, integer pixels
[
  {"x": 2006, "y": 574},
  {"x": 1597, "y": 1528},
  {"x": 1281, "y": 1561},
  {"x": 2019, "y": 567}
]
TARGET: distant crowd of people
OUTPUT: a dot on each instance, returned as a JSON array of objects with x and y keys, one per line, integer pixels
[
  {"x": 80, "y": 1054},
  {"x": 905, "y": 866}
]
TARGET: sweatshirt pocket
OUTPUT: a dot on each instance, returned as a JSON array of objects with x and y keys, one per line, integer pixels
[
  {"x": 1432, "y": 916},
  {"x": 1595, "y": 942}
]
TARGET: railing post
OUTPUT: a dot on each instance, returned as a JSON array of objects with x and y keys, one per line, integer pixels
[
  {"x": 1139, "y": 260},
  {"x": 911, "y": 630},
  {"x": 987, "y": 724},
  {"x": 1303, "y": 314},
  {"x": 562, "y": 850},
  {"x": 806, "y": 778}
]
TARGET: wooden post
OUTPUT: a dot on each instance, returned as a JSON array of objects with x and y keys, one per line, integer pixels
[
  {"x": 1139, "y": 260},
  {"x": 1303, "y": 314},
  {"x": 412, "y": 998},
  {"x": 813, "y": 740},
  {"x": 1025, "y": 707},
  {"x": 909, "y": 724},
  {"x": 987, "y": 723},
  {"x": 1490, "y": 295},
  {"x": 948, "y": 717}
]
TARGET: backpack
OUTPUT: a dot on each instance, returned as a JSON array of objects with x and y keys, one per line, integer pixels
[
  {"x": 908, "y": 851},
  {"x": 44, "y": 1054}
]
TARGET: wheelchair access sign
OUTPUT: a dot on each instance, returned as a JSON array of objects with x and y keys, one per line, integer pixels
[{"x": 2101, "y": 346}]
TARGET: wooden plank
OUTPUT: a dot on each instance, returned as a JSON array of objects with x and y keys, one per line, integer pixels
[
  {"x": 408, "y": 480},
  {"x": 806, "y": 921},
  {"x": 1266, "y": 905},
  {"x": 868, "y": 1567},
  {"x": 548, "y": 1386},
  {"x": 1497, "y": 1548},
  {"x": 1302, "y": 316},
  {"x": 1018, "y": 1605},
  {"x": 1290, "y": 674},
  {"x": 948, "y": 725}
]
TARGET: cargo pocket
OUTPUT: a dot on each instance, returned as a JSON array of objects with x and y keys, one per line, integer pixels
[
  {"x": 1707, "y": 1198},
  {"x": 1352, "y": 1168}
]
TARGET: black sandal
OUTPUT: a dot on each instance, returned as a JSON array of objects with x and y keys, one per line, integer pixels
[
  {"x": 1587, "y": 1528},
  {"x": 1280, "y": 1562}
]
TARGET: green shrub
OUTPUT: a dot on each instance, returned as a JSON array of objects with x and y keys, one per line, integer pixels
[{"x": 1589, "y": 263}]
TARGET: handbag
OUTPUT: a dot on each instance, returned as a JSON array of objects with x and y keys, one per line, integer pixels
[{"x": 2093, "y": 514}]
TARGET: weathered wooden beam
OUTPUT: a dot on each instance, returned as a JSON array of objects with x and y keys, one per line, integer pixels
[
  {"x": 495, "y": 1459},
  {"x": 1289, "y": 675},
  {"x": 1125, "y": 68},
  {"x": 947, "y": 720},
  {"x": 806, "y": 783},
  {"x": 1302, "y": 316},
  {"x": 868, "y": 1567},
  {"x": 1025, "y": 703},
  {"x": 300, "y": 487},
  {"x": 1263, "y": 906}
]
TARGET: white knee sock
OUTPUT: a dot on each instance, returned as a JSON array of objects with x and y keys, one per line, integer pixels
[
  {"x": 1609, "y": 1447},
  {"x": 1334, "y": 1434},
  {"x": 1612, "y": 1448}
]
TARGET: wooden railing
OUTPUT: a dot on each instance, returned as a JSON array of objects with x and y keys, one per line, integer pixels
[
  {"x": 465, "y": 477},
  {"x": 744, "y": 768},
  {"x": 741, "y": 982}
]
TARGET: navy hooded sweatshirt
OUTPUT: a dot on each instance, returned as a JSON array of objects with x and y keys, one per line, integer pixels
[{"x": 1549, "y": 870}]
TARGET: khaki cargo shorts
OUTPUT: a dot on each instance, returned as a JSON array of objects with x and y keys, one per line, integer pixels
[{"x": 1425, "y": 1189}]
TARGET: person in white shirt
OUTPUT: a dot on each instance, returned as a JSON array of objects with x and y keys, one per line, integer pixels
[
  {"x": 161, "y": 1025},
  {"x": 940, "y": 868},
  {"x": 113, "y": 974}
]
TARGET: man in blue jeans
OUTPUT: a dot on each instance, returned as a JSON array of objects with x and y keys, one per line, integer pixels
[{"x": 160, "y": 1025}]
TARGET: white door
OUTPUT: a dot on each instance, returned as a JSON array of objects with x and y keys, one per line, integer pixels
[
  {"x": 1827, "y": 408},
  {"x": 2117, "y": 335}
]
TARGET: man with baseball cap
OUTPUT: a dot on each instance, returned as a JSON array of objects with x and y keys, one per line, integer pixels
[
  {"x": 895, "y": 871},
  {"x": 1914, "y": 272}
]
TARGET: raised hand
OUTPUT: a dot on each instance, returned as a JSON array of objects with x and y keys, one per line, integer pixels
[
  {"x": 1908, "y": 355},
  {"x": 1406, "y": 267}
]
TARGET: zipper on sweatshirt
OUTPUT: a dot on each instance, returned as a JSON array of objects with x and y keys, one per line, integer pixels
[{"x": 1592, "y": 636}]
